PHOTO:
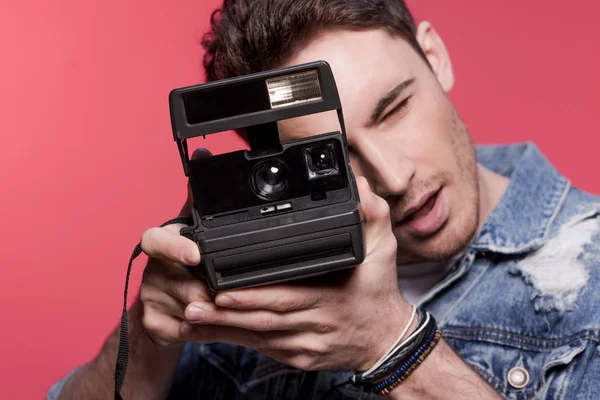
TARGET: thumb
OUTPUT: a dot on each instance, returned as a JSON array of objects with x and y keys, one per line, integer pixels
[
  {"x": 374, "y": 210},
  {"x": 186, "y": 210},
  {"x": 381, "y": 246}
]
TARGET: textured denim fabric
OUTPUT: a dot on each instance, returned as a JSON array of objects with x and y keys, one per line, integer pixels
[{"x": 526, "y": 294}]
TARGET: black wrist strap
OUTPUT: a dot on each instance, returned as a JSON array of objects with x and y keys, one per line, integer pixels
[{"x": 123, "y": 354}]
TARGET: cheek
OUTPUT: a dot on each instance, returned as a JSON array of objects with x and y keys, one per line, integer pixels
[{"x": 432, "y": 137}]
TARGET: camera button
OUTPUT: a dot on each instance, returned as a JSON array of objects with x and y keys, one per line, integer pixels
[
  {"x": 267, "y": 210},
  {"x": 284, "y": 206}
]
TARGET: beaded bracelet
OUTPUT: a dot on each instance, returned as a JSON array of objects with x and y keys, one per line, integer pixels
[
  {"x": 411, "y": 363},
  {"x": 391, "y": 360},
  {"x": 366, "y": 375},
  {"x": 399, "y": 354},
  {"x": 418, "y": 362},
  {"x": 406, "y": 364}
]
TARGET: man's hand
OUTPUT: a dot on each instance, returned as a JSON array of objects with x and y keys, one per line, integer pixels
[
  {"x": 167, "y": 285},
  {"x": 344, "y": 320},
  {"x": 154, "y": 322}
]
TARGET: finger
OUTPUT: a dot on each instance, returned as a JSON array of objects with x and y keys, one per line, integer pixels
[
  {"x": 221, "y": 334},
  {"x": 177, "y": 281},
  {"x": 375, "y": 209},
  {"x": 207, "y": 313},
  {"x": 156, "y": 299},
  {"x": 186, "y": 210},
  {"x": 163, "y": 243},
  {"x": 298, "y": 349},
  {"x": 158, "y": 271},
  {"x": 302, "y": 350},
  {"x": 193, "y": 291},
  {"x": 282, "y": 297},
  {"x": 162, "y": 328},
  {"x": 378, "y": 234}
]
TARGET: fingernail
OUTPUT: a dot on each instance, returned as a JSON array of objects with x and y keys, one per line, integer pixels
[
  {"x": 190, "y": 258},
  {"x": 195, "y": 314},
  {"x": 224, "y": 301}
]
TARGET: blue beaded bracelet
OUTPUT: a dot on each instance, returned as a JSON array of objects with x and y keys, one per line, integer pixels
[
  {"x": 411, "y": 360},
  {"x": 397, "y": 356}
]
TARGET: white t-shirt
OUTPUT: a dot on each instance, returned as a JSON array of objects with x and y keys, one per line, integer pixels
[{"x": 415, "y": 280}]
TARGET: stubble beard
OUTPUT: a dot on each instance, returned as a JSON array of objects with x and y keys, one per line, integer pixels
[{"x": 455, "y": 238}]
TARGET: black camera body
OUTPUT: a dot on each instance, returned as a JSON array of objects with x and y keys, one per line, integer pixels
[{"x": 278, "y": 211}]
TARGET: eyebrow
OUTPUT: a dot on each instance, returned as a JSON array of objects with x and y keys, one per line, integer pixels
[{"x": 388, "y": 99}]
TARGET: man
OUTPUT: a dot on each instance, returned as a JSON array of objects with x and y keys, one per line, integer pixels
[{"x": 493, "y": 242}]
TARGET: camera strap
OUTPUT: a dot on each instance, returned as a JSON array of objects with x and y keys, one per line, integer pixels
[{"x": 123, "y": 354}]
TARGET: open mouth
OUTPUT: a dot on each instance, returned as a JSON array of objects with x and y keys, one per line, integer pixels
[{"x": 423, "y": 210}]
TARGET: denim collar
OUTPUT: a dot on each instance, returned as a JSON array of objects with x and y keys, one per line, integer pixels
[{"x": 522, "y": 219}]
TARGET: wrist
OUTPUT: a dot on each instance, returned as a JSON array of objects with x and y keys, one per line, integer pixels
[
  {"x": 151, "y": 366},
  {"x": 427, "y": 380},
  {"x": 411, "y": 329},
  {"x": 443, "y": 375},
  {"x": 149, "y": 371},
  {"x": 406, "y": 357},
  {"x": 143, "y": 351},
  {"x": 393, "y": 324}
]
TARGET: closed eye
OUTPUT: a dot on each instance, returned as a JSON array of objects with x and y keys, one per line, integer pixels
[{"x": 397, "y": 108}]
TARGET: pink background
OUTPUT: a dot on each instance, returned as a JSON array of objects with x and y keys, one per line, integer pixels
[{"x": 88, "y": 160}]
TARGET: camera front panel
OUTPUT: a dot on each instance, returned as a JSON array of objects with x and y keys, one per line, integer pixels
[{"x": 231, "y": 188}]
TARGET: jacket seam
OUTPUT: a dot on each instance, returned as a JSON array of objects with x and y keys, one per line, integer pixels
[
  {"x": 476, "y": 280},
  {"x": 590, "y": 332},
  {"x": 497, "y": 340}
]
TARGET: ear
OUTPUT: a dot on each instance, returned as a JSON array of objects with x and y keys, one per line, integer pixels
[{"x": 436, "y": 53}]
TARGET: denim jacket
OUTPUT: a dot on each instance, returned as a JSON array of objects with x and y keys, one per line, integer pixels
[{"x": 521, "y": 307}]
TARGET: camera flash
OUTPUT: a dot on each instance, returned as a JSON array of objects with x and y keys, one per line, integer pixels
[{"x": 293, "y": 89}]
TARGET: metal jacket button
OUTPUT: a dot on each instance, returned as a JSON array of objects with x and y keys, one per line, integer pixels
[{"x": 518, "y": 377}]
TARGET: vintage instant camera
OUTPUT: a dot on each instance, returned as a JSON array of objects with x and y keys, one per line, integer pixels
[{"x": 278, "y": 211}]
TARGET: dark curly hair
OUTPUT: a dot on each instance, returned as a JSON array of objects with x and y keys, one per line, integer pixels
[{"x": 248, "y": 36}]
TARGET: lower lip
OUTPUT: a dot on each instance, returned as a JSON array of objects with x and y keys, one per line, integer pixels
[{"x": 433, "y": 220}]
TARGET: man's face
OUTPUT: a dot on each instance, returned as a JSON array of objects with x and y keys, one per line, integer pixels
[{"x": 404, "y": 136}]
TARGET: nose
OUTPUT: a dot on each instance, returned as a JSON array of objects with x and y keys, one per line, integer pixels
[{"x": 389, "y": 172}]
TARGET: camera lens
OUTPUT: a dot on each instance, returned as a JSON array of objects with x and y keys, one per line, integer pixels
[
  {"x": 321, "y": 161},
  {"x": 271, "y": 179},
  {"x": 322, "y": 158}
]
